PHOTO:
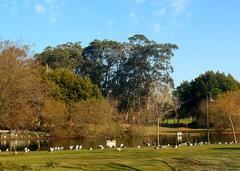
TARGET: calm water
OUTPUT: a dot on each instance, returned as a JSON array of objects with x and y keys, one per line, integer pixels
[{"x": 44, "y": 144}]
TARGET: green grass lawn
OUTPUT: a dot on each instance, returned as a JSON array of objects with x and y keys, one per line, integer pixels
[
  {"x": 206, "y": 157},
  {"x": 181, "y": 121}
]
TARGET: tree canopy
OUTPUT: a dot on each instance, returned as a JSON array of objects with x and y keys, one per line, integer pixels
[
  {"x": 21, "y": 88},
  {"x": 71, "y": 87},
  {"x": 192, "y": 93},
  {"x": 126, "y": 71},
  {"x": 65, "y": 56}
]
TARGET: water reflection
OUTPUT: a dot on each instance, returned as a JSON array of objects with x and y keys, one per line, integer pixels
[{"x": 45, "y": 144}]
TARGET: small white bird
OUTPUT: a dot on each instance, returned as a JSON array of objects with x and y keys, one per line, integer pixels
[
  {"x": 26, "y": 149},
  {"x": 77, "y": 147},
  {"x": 90, "y": 149},
  {"x": 7, "y": 150},
  {"x": 51, "y": 149},
  {"x": 118, "y": 149},
  {"x": 101, "y": 147},
  {"x": 139, "y": 146},
  {"x": 71, "y": 147}
]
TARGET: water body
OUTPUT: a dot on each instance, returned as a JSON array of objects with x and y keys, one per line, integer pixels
[{"x": 45, "y": 144}]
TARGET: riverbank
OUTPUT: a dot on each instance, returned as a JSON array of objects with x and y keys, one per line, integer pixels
[
  {"x": 205, "y": 157},
  {"x": 125, "y": 131}
]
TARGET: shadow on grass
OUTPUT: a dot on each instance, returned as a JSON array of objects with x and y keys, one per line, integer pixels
[
  {"x": 227, "y": 148},
  {"x": 15, "y": 166},
  {"x": 168, "y": 165},
  {"x": 122, "y": 166},
  {"x": 188, "y": 161},
  {"x": 72, "y": 167}
]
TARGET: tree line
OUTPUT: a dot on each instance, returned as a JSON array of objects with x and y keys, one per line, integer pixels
[
  {"x": 69, "y": 86},
  {"x": 79, "y": 91},
  {"x": 214, "y": 93}
]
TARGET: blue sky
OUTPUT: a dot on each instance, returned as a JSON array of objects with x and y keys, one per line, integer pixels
[{"x": 206, "y": 31}]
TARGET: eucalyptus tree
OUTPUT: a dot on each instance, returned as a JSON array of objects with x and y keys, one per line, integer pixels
[
  {"x": 126, "y": 71},
  {"x": 147, "y": 66},
  {"x": 102, "y": 60}
]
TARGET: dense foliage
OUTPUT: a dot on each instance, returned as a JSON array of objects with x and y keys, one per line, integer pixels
[
  {"x": 224, "y": 111},
  {"x": 21, "y": 88},
  {"x": 192, "y": 93},
  {"x": 64, "y": 56},
  {"x": 127, "y": 71},
  {"x": 71, "y": 87}
]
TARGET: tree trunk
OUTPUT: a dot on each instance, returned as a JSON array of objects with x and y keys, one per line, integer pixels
[
  {"x": 234, "y": 134},
  {"x": 158, "y": 143},
  {"x": 178, "y": 121},
  {"x": 126, "y": 118}
]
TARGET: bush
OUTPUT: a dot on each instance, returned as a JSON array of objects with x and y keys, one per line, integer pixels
[
  {"x": 83, "y": 119},
  {"x": 135, "y": 131},
  {"x": 114, "y": 130}
]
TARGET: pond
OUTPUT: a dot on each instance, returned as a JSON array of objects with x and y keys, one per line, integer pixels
[{"x": 46, "y": 143}]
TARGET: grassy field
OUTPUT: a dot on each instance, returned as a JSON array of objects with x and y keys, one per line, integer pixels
[
  {"x": 206, "y": 157},
  {"x": 181, "y": 121},
  {"x": 152, "y": 130}
]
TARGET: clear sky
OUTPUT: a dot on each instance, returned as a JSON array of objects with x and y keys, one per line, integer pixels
[{"x": 206, "y": 31}]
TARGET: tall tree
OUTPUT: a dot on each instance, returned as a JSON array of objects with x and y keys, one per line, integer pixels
[
  {"x": 146, "y": 66},
  {"x": 163, "y": 102},
  {"x": 101, "y": 63},
  {"x": 21, "y": 88}
]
